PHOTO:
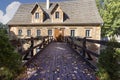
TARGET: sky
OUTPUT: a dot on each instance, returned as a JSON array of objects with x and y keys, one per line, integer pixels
[{"x": 9, "y": 7}]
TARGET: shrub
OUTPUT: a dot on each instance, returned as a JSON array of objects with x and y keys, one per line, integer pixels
[{"x": 108, "y": 63}]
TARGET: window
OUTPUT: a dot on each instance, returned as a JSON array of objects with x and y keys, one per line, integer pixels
[
  {"x": 57, "y": 15},
  {"x": 49, "y": 32},
  {"x": 38, "y": 32},
  {"x": 72, "y": 33},
  {"x": 87, "y": 34},
  {"x": 37, "y": 15},
  {"x": 28, "y": 33},
  {"x": 19, "y": 32}
]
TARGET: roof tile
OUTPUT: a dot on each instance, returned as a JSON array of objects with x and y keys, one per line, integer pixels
[{"x": 77, "y": 11}]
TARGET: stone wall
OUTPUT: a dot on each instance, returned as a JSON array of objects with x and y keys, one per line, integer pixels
[{"x": 79, "y": 30}]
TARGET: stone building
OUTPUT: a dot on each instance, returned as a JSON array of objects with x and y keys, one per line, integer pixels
[{"x": 66, "y": 18}]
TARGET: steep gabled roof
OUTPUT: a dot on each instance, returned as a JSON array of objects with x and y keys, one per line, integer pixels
[
  {"x": 56, "y": 6},
  {"x": 35, "y": 7},
  {"x": 77, "y": 11}
]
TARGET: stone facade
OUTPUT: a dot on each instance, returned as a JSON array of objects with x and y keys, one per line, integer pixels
[
  {"x": 95, "y": 31},
  {"x": 60, "y": 19},
  {"x": 68, "y": 18},
  {"x": 37, "y": 9}
]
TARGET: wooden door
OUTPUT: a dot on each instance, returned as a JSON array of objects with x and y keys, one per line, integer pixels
[{"x": 58, "y": 33}]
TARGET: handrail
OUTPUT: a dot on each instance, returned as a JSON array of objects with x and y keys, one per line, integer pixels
[
  {"x": 84, "y": 40},
  {"x": 15, "y": 42},
  {"x": 41, "y": 46},
  {"x": 19, "y": 43},
  {"x": 43, "y": 43},
  {"x": 85, "y": 50},
  {"x": 30, "y": 49},
  {"x": 112, "y": 44},
  {"x": 89, "y": 51}
]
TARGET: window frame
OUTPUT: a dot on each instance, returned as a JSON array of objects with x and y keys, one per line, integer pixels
[
  {"x": 19, "y": 32},
  {"x": 38, "y": 32},
  {"x": 37, "y": 15},
  {"x": 88, "y": 33},
  {"x": 72, "y": 33},
  {"x": 50, "y": 32},
  {"x": 57, "y": 15},
  {"x": 28, "y": 32}
]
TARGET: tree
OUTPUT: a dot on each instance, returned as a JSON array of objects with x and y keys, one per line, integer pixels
[
  {"x": 109, "y": 67},
  {"x": 10, "y": 61},
  {"x": 110, "y": 57},
  {"x": 110, "y": 12}
]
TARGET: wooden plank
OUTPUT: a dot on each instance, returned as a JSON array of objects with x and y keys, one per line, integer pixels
[
  {"x": 111, "y": 44},
  {"x": 59, "y": 62}
]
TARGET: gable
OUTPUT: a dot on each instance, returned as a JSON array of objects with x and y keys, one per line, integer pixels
[
  {"x": 57, "y": 7},
  {"x": 37, "y": 14},
  {"x": 36, "y": 7},
  {"x": 76, "y": 11}
]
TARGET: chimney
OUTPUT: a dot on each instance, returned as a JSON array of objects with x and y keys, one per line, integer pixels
[{"x": 47, "y": 4}]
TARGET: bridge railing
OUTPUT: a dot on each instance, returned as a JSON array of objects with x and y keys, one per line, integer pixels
[
  {"x": 80, "y": 45},
  {"x": 45, "y": 41},
  {"x": 31, "y": 51}
]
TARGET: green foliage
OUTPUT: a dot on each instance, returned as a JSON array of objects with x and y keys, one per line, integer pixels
[
  {"x": 102, "y": 74},
  {"x": 108, "y": 63},
  {"x": 110, "y": 57},
  {"x": 10, "y": 61},
  {"x": 110, "y": 12},
  {"x": 3, "y": 26}
]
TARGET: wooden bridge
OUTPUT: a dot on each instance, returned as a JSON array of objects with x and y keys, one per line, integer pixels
[
  {"x": 70, "y": 59},
  {"x": 59, "y": 62}
]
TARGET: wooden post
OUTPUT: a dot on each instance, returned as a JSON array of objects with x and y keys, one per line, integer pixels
[
  {"x": 49, "y": 39},
  {"x": 67, "y": 39},
  {"x": 44, "y": 42},
  {"x": 64, "y": 39},
  {"x": 84, "y": 46},
  {"x": 32, "y": 44},
  {"x": 26, "y": 55},
  {"x": 84, "y": 52}
]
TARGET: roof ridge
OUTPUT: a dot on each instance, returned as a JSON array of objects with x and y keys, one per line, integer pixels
[
  {"x": 51, "y": 2},
  {"x": 83, "y": 11}
]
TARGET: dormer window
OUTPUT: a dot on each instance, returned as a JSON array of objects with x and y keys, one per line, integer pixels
[
  {"x": 57, "y": 15},
  {"x": 37, "y": 15}
]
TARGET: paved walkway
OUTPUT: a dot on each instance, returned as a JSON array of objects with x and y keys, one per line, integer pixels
[{"x": 59, "y": 62}]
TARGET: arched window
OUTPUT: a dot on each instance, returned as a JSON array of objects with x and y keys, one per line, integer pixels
[
  {"x": 57, "y": 15},
  {"x": 37, "y": 15}
]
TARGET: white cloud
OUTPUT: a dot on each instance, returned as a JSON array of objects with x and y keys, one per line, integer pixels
[
  {"x": 1, "y": 15},
  {"x": 10, "y": 11}
]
